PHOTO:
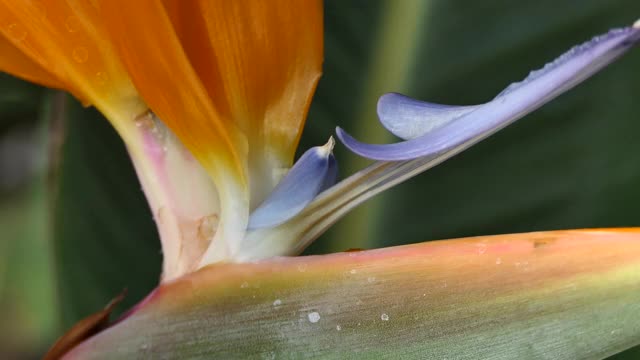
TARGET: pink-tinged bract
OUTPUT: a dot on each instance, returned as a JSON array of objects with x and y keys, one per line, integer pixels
[{"x": 554, "y": 295}]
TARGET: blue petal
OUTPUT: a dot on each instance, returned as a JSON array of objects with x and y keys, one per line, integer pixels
[
  {"x": 408, "y": 118},
  {"x": 315, "y": 171},
  {"x": 331, "y": 177},
  {"x": 513, "y": 103}
]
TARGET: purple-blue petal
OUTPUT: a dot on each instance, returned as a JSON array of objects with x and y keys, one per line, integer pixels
[
  {"x": 513, "y": 103},
  {"x": 311, "y": 174},
  {"x": 331, "y": 177},
  {"x": 408, "y": 118}
]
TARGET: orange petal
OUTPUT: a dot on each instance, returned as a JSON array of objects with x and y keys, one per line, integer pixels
[
  {"x": 260, "y": 62},
  {"x": 67, "y": 39},
  {"x": 166, "y": 80},
  {"x": 14, "y": 62}
]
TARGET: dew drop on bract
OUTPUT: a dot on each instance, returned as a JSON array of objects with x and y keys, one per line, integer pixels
[{"x": 314, "y": 317}]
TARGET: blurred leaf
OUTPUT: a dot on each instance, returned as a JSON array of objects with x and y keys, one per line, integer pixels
[
  {"x": 526, "y": 296},
  {"x": 27, "y": 294},
  {"x": 104, "y": 236},
  {"x": 20, "y": 102}
]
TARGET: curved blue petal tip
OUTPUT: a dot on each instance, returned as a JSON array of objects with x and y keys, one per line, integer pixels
[
  {"x": 432, "y": 128},
  {"x": 315, "y": 171},
  {"x": 408, "y": 118}
]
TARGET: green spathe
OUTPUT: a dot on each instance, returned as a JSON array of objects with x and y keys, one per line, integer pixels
[{"x": 511, "y": 296}]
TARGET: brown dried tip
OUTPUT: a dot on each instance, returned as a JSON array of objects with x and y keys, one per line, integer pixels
[{"x": 83, "y": 330}]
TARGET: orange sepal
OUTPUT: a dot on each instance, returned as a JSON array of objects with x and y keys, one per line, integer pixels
[
  {"x": 68, "y": 40},
  {"x": 15, "y": 62},
  {"x": 166, "y": 80},
  {"x": 260, "y": 62}
]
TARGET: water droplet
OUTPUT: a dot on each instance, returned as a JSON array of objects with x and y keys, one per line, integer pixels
[
  {"x": 207, "y": 226},
  {"x": 353, "y": 271},
  {"x": 482, "y": 248},
  {"x": 338, "y": 327},
  {"x": 498, "y": 261},
  {"x": 145, "y": 122},
  {"x": 371, "y": 279},
  {"x": 17, "y": 32},
  {"x": 314, "y": 317},
  {"x": 160, "y": 215},
  {"x": 384, "y": 317},
  {"x": 244, "y": 285},
  {"x": 80, "y": 54},
  {"x": 277, "y": 303},
  {"x": 72, "y": 24},
  {"x": 101, "y": 78}
]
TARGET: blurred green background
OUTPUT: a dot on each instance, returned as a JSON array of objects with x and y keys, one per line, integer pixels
[{"x": 75, "y": 229}]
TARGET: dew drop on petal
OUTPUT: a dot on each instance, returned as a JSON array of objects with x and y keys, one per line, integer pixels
[
  {"x": 17, "y": 32},
  {"x": 80, "y": 54},
  {"x": 314, "y": 317},
  {"x": 277, "y": 303},
  {"x": 101, "y": 78},
  {"x": 482, "y": 248},
  {"x": 40, "y": 9},
  {"x": 338, "y": 327},
  {"x": 72, "y": 24},
  {"x": 244, "y": 285},
  {"x": 384, "y": 317}
]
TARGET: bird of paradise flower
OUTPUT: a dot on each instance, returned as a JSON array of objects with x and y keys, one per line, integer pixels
[{"x": 210, "y": 99}]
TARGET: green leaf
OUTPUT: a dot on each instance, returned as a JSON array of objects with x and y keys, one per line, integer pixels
[
  {"x": 104, "y": 236},
  {"x": 547, "y": 295}
]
